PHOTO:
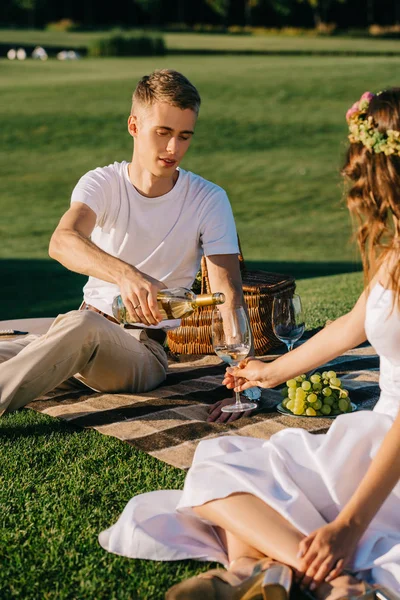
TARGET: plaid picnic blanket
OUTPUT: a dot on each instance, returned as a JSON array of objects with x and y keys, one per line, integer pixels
[{"x": 169, "y": 421}]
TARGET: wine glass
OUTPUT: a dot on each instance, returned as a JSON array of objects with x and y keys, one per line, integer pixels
[
  {"x": 288, "y": 319},
  {"x": 231, "y": 339}
]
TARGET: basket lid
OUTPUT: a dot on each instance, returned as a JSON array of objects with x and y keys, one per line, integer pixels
[{"x": 266, "y": 282}]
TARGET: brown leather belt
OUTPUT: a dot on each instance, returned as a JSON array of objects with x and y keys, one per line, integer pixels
[{"x": 158, "y": 335}]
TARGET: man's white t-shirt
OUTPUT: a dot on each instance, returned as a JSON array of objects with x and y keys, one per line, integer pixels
[{"x": 163, "y": 237}]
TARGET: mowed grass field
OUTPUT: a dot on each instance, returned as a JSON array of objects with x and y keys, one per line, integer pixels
[
  {"x": 198, "y": 42},
  {"x": 272, "y": 132}
]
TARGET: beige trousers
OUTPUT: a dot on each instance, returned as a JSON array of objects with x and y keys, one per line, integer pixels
[{"x": 81, "y": 349}]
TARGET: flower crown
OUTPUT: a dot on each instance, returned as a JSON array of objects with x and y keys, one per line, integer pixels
[{"x": 363, "y": 129}]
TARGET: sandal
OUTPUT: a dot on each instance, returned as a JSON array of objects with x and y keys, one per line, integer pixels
[
  {"x": 277, "y": 582},
  {"x": 269, "y": 580},
  {"x": 370, "y": 592},
  {"x": 383, "y": 593},
  {"x": 373, "y": 592}
]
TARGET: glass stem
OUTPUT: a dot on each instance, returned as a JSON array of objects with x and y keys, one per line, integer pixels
[
  {"x": 290, "y": 346},
  {"x": 237, "y": 395}
]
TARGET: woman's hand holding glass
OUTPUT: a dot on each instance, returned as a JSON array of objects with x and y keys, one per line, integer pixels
[
  {"x": 288, "y": 325},
  {"x": 249, "y": 373},
  {"x": 231, "y": 338}
]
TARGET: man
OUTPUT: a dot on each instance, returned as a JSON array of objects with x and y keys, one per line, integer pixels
[{"x": 133, "y": 228}]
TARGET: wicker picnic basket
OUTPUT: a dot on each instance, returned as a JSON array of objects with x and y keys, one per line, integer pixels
[{"x": 259, "y": 287}]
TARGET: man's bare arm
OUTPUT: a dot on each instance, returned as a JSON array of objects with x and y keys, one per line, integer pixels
[
  {"x": 70, "y": 245},
  {"x": 224, "y": 275}
]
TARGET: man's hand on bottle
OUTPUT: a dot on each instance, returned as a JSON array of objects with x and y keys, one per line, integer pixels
[{"x": 139, "y": 294}]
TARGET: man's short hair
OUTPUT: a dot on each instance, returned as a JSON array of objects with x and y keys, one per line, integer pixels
[{"x": 166, "y": 85}]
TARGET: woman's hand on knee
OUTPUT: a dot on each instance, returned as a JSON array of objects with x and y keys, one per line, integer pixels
[{"x": 324, "y": 554}]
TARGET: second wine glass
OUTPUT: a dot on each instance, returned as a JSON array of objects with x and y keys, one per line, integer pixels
[
  {"x": 288, "y": 319},
  {"x": 231, "y": 338}
]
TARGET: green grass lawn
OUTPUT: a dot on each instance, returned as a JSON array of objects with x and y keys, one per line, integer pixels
[
  {"x": 219, "y": 42},
  {"x": 272, "y": 132}
]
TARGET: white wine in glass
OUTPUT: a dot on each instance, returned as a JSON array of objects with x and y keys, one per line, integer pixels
[
  {"x": 231, "y": 338},
  {"x": 288, "y": 319}
]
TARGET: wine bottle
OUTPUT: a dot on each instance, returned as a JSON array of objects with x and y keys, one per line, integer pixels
[{"x": 174, "y": 303}]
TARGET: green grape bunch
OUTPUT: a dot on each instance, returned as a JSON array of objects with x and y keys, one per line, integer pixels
[{"x": 317, "y": 396}]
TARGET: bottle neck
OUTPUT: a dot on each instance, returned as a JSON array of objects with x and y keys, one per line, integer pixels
[
  {"x": 209, "y": 299},
  {"x": 180, "y": 292}
]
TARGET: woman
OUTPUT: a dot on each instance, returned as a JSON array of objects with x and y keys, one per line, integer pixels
[{"x": 318, "y": 503}]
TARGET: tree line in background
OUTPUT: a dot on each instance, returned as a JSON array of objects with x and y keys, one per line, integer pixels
[{"x": 188, "y": 13}]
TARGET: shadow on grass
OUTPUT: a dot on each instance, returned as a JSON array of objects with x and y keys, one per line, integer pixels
[
  {"x": 37, "y": 288},
  {"x": 15, "y": 426},
  {"x": 305, "y": 270},
  {"x": 44, "y": 288}
]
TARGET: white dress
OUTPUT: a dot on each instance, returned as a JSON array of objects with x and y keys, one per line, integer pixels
[{"x": 306, "y": 477}]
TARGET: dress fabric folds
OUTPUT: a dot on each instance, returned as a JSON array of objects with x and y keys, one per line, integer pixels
[{"x": 306, "y": 477}]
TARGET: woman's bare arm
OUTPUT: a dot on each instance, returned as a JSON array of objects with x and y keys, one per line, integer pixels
[{"x": 338, "y": 337}]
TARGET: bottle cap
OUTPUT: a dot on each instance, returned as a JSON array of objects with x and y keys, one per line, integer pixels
[{"x": 218, "y": 298}]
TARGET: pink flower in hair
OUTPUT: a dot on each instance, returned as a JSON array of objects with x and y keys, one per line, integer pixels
[
  {"x": 352, "y": 111},
  {"x": 367, "y": 96},
  {"x": 361, "y": 106}
]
